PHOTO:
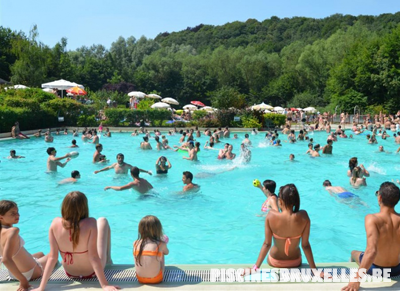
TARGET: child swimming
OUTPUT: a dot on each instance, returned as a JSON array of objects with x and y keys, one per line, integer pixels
[{"x": 149, "y": 250}]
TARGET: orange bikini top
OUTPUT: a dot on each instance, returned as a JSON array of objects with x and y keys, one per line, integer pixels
[
  {"x": 288, "y": 241},
  {"x": 148, "y": 253}
]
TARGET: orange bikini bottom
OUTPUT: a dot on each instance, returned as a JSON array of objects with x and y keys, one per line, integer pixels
[{"x": 155, "y": 280}]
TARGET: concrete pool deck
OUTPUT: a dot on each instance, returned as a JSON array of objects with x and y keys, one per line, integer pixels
[{"x": 191, "y": 277}]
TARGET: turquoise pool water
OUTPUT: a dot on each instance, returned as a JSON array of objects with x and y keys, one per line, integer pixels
[{"x": 221, "y": 223}]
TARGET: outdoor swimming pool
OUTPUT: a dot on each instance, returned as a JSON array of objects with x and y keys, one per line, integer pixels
[{"x": 221, "y": 223}]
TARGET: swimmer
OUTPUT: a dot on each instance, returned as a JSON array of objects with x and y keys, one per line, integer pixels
[
  {"x": 315, "y": 152},
  {"x": 159, "y": 145},
  {"x": 65, "y": 131},
  {"x": 139, "y": 184},
  {"x": 162, "y": 165},
  {"x": 107, "y": 133},
  {"x": 291, "y": 157},
  {"x": 292, "y": 137},
  {"x": 75, "y": 133},
  {"x": 98, "y": 157},
  {"x": 254, "y": 132},
  {"x": 278, "y": 143},
  {"x": 192, "y": 152},
  {"x": 338, "y": 191},
  {"x": 229, "y": 155},
  {"x": 357, "y": 178},
  {"x": 38, "y": 133},
  {"x": 310, "y": 148},
  {"x": 53, "y": 162},
  {"x": 353, "y": 162},
  {"x": 235, "y": 136},
  {"x": 209, "y": 146},
  {"x": 14, "y": 156},
  {"x": 120, "y": 167},
  {"x": 187, "y": 179},
  {"x": 75, "y": 175},
  {"x": 268, "y": 188},
  {"x": 227, "y": 132},
  {"x": 48, "y": 137},
  {"x": 74, "y": 145},
  {"x": 327, "y": 149},
  {"x": 245, "y": 153},
  {"x": 145, "y": 145},
  {"x": 246, "y": 140},
  {"x": 95, "y": 137}
]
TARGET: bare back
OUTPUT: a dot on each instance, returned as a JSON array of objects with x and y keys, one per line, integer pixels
[
  {"x": 287, "y": 225},
  {"x": 388, "y": 241}
]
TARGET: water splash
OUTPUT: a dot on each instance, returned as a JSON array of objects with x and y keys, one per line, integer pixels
[{"x": 374, "y": 167}]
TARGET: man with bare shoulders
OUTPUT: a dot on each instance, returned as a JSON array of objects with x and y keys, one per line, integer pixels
[
  {"x": 315, "y": 152},
  {"x": 187, "y": 180},
  {"x": 145, "y": 145},
  {"x": 139, "y": 184},
  {"x": 120, "y": 166},
  {"x": 53, "y": 162},
  {"x": 192, "y": 152},
  {"x": 227, "y": 132},
  {"x": 16, "y": 132},
  {"x": 383, "y": 237},
  {"x": 327, "y": 149}
]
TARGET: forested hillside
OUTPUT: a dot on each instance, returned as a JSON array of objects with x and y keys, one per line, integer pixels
[{"x": 341, "y": 60}]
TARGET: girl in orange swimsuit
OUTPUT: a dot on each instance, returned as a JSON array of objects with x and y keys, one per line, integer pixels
[
  {"x": 21, "y": 265},
  {"x": 149, "y": 251},
  {"x": 83, "y": 242},
  {"x": 287, "y": 227}
]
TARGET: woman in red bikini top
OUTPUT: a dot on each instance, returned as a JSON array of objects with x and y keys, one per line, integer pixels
[
  {"x": 288, "y": 227},
  {"x": 83, "y": 242}
]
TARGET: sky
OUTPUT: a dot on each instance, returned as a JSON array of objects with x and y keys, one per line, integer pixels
[{"x": 88, "y": 22}]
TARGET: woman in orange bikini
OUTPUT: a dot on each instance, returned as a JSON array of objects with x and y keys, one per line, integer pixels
[
  {"x": 287, "y": 228},
  {"x": 83, "y": 242},
  {"x": 149, "y": 250}
]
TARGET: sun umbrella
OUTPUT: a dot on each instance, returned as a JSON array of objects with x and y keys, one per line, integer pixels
[
  {"x": 207, "y": 108},
  {"x": 310, "y": 109},
  {"x": 160, "y": 105},
  {"x": 17, "y": 87},
  {"x": 61, "y": 85},
  {"x": 76, "y": 91},
  {"x": 136, "y": 94},
  {"x": 294, "y": 109},
  {"x": 197, "y": 103},
  {"x": 48, "y": 90},
  {"x": 267, "y": 111},
  {"x": 153, "y": 96},
  {"x": 279, "y": 109},
  {"x": 190, "y": 107},
  {"x": 261, "y": 106},
  {"x": 170, "y": 100}
]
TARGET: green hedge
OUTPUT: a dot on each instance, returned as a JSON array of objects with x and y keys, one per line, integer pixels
[
  {"x": 116, "y": 116},
  {"x": 275, "y": 119}
]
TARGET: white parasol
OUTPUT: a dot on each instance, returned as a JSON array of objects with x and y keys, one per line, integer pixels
[
  {"x": 170, "y": 100},
  {"x": 160, "y": 105},
  {"x": 153, "y": 96},
  {"x": 136, "y": 94}
]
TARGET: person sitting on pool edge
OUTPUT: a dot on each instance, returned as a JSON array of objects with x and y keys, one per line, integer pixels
[
  {"x": 139, "y": 184},
  {"x": 187, "y": 179},
  {"x": 383, "y": 239},
  {"x": 163, "y": 165},
  {"x": 288, "y": 228}
]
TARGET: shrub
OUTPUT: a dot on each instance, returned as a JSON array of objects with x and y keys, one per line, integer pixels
[
  {"x": 145, "y": 104},
  {"x": 115, "y": 115},
  {"x": 209, "y": 122},
  {"x": 198, "y": 114},
  {"x": 156, "y": 116},
  {"x": 87, "y": 121},
  {"x": 276, "y": 119},
  {"x": 250, "y": 122},
  {"x": 69, "y": 109},
  {"x": 19, "y": 102}
]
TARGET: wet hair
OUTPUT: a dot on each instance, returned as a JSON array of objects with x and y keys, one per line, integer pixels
[
  {"x": 317, "y": 146},
  {"x": 74, "y": 208},
  {"x": 188, "y": 175},
  {"x": 327, "y": 183},
  {"x": 355, "y": 173},
  {"x": 150, "y": 228},
  {"x": 290, "y": 197},
  {"x": 163, "y": 159},
  {"x": 145, "y": 138},
  {"x": 389, "y": 193},
  {"x": 13, "y": 152},
  {"x": 98, "y": 146},
  {"x": 5, "y": 206},
  {"x": 120, "y": 155},
  {"x": 75, "y": 174},
  {"x": 246, "y": 135},
  {"x": 353, "y": 163},
  {"x": 310, "y": 145},
  {"x": 270, "y": 185},
  {"x": 74, "y": 142},
  {"x": 135, "y": 172},
  {"x": 191, "y": 143},
  {"x": 49, "y": 150}
]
